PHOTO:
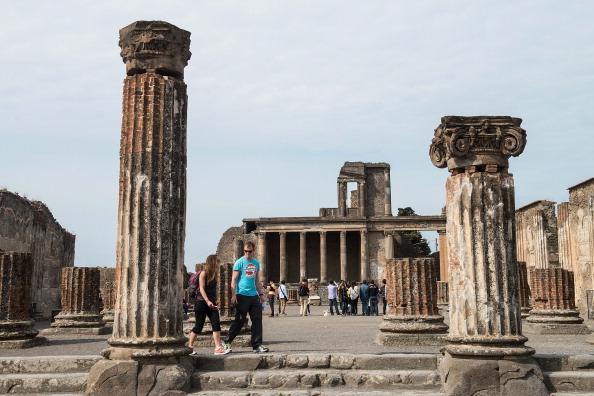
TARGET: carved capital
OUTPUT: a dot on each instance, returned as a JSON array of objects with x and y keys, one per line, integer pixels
[
  {"x": 461, "y": 142},
  {"x": 155, "y": 45}
]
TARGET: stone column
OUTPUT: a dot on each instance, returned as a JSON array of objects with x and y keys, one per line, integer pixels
[
  {"x": 553, "y": 303},
  {"x": 523, "y": 289},
  {"x": 443, "y": 256},
  {"x": 342, "y": 197},
  {"x": 361, "y": 191},
  {"x": 148, "y": 342},
  {"x": 323, "y": 258},
  {"x": 388, "y": 246},
  {"x": 108, "y": 296},
  {"x": 302, "y": 255},
  {"x": 387, "y": 193},
  {"x": 413, "y": 316},
  {"x": 564, "y": 227},
  {"x": 364, "y": 258},
  {"x": 81, "y": 312},
  {"x": 343, "y": 256},
  {"x": 262, "y": 257},
  {"x": 16, "y": 323},
  {"x": 485, "y": 323},
  {"x": 284, "y": 269},
  {"x": 443, "y": 295}
]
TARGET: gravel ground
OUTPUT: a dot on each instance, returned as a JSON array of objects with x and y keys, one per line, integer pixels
[{"x": 314, "y": 333}]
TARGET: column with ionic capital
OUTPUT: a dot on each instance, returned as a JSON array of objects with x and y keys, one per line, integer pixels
[
  {"x": 343, "y": 256},
  {"x": 283, "y": 256},
  {"x": 485, "y": 318},
  {"x": 323, "y": 258},
  {"x": 148, "y": 321},
  {"x": 262, "y": 256},
  {"x": 364, "y": 258},
  {"x": 302, "y": 255}
]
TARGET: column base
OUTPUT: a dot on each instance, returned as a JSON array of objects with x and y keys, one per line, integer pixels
[
  {"x": 556, "y": 328},
  {"x": 525, "y": 312},
  {"x": 492, "y": 377},
  {"x": 77, "y": 320},
  {"x": 104, "y": 330},
  {"x": 140, "y": 349},
  {"x": 108, "y": 317},
  {"x": 399, "y": 339},
  {"x": 488, "y": 347},
  {"x": 413, "y": 324},
  {"x": 123, "y": 378},
  {"x": 22, "y": 343},
  {"x": 17, "y": 329},
  {"x": 557, "y": 316}
]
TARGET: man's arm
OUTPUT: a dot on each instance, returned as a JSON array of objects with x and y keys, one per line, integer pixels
[
  {"x": 234, "y": 278},
  {"x": 259, "y": 287}
]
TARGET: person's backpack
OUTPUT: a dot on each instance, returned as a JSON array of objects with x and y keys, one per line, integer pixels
[
  {"x": 193, "y": 284},
  {"x": 302, "y": 291}
]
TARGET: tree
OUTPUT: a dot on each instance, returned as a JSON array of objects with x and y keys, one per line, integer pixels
[{"x": 414, "y": 237}]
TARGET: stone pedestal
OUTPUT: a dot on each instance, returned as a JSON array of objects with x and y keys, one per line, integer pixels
[
  {"x": 485, "y": 343},
  {"x": 413, "y": 316},
  {"x": 147, "y": 353},
  {"x": 81, "y": 313},
  {"x": 523, "y": 289},
  {"x": 553, "y": 310},
  {"x": 108, "y": 296},
  {"x": 16, "y": 323}
]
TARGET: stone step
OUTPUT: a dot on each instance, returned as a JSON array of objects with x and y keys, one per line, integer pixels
[
  {"x": 261, "y": 380},
  {"x": 321, "y": 392},
  {"x": 341, "y": 361},
  {"x": 565, "y": 362},
  {"x": 44, "y": 383},
  {"x": 47, "y": 364},
  {"x": 570, "y": 381}
]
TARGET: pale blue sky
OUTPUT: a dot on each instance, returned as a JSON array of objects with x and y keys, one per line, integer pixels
[{"x": 281, "y": 94}]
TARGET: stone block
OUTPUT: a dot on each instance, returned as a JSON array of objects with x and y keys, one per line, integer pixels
[
  {"x": 342, "y": 361},
  {"x": 113, "y": 378},
  {"x": 396, "y": 339},
  {"x": 222, "y": 380},
  {"x": 156, "y": 379},
  {"x": 318, "y": 361},
  {"x": 297, "y": 361}
]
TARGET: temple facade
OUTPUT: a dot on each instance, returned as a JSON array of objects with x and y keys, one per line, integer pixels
[{"x": 352, "y": 241}]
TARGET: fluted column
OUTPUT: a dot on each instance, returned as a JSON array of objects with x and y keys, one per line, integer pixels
[
  {"x": 262, "y": 257},
  {"x": 343, "y": 256},
  {"x": 283, "y": 256},
  {"x": 108, "y": 296},
  {"x": 443, "y": 256},
  {"x": 16, "y": 323},
  {"x": 80, "y": 299},
  {"x": 364, "y": 258},
  {"x": 152, "y": 197},
  {"x": 323, "y": 258},
  {"x": 443, "y": 294},
  {"x": 564, "y": 233},
  {"x": 412, "y": 295},
  {"x": 523, "y": 289},
  {"x": 302, "y": 255},
  {"x": 553, "y": 303},
  {"x": 387, "y": 193}
]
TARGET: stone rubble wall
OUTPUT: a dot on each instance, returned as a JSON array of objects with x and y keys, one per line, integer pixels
[{"x": 29, "y": 227}]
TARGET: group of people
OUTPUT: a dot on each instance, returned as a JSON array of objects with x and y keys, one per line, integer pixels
[{"x": 343, "y": 298}]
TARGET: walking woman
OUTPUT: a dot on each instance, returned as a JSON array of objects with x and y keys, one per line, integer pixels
[
  {"x": 354, "y": 295},
  {"x": 206, "y": 305}
]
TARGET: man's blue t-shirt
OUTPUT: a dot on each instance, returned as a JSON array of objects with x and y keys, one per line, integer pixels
[
  {"x": 246, "y": 283},
  {"x": 363, "y": 292}
]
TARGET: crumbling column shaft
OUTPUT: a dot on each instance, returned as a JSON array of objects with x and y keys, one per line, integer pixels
[
  {"x": 523, "y": 289},
  {"x": 323, "y": 258}
]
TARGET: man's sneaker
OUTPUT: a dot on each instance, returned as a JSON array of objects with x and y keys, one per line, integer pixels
[
  {"x": 261, "y": 349},
  {"x": 221, "y": 351},
  {"x": 227, "y": 347},
  {"x": 194, "y": 353}
]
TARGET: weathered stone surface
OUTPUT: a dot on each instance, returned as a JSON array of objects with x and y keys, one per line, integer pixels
[
  {"x": 29, "y": 227},
  {"x": 396, "y": 339},
  {"x": 109, "y": 377},
  {"x": 16, "y": 324},
  {"x": 443, "y": 294},
  {"x": 108, "y": 294},
  {"x": 155, "y": 45},
  {"x": 524, "y": 292},
  {"x": 342, "y": 361},
  {"x": 156, "y": 379},
  {"x": 80, "y": 299},
  {"x": 536, "y": 231}
]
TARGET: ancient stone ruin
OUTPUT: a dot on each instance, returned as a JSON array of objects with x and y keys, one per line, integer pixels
[{"x": 29, "y": 227}]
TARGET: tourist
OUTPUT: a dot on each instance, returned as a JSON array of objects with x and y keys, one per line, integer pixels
[
  {"x": 364, "y": 298},
  {"x": 373, "y": 293},
  {"x": 343, "y": 292},
  {"x": 332, "y": 289},
  {"x": 303, "y": 293},
  {"x": 354, "y": 296},
  {"x": 384, "y": 296},
  {"x": 283, "y": 297},
  {"x": 206, "y": 305},
  {"x": 247, "y": 293},
  {"x": 271, "y": 289}
]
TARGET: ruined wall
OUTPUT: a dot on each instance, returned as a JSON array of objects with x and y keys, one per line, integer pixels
[
  {"x": 581, "y": 221},
  {"x": 536, "y": 235},
  {"x": 29, "y": 227},
  {"x": 230, "y": 242},
  {"x": 375, "y": 191}
]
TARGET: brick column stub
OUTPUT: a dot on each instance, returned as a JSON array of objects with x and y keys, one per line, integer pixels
[{"x": 80, "y": 298}]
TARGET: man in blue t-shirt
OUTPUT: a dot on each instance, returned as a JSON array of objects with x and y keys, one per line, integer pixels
[{"x": 247, "y": 294}]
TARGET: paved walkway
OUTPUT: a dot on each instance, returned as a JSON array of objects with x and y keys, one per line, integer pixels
[{"x": 314, "y": 333}]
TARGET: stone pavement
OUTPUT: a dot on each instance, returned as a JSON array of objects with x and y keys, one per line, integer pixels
[{"x": 310, "y": 334}]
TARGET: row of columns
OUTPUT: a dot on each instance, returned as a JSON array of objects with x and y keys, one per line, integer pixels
[{"x": 284, "y": 268}]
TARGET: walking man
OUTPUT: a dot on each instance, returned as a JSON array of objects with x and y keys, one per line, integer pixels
[
  {"x": 364, "y": 298},
  {"x": 247, "y": 293},
  {"x": 372, "y": 293},
  {"x": 283, "y": 297}
]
